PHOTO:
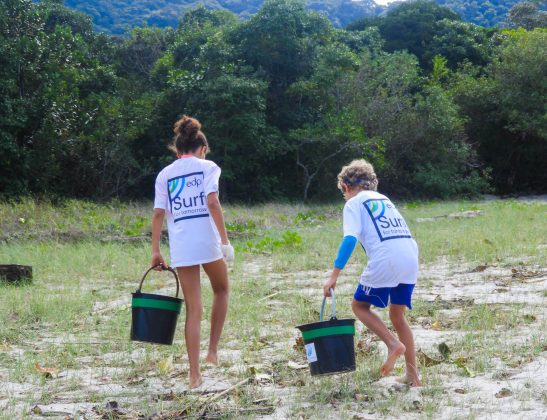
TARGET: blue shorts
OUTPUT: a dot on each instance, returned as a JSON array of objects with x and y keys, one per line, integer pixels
[{"x": 398, "y": 295}]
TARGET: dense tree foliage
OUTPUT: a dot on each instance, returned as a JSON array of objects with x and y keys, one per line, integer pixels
[
  {"x": 488, "y": 13},
  {"x": 527, "y": 15},
  {"x": 425, "y": 29},
  {"x": 505, "y": 110},
  {"x": 440, "y": 106},
  {"x": 119, "y": 16}
]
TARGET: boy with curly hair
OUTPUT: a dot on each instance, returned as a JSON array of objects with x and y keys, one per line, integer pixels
[{"x": 392, "y": 269}]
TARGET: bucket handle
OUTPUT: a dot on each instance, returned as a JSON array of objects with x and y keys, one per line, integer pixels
[
  {"x": 333, "y": 301},
  {"x": 163, "y": 268}
]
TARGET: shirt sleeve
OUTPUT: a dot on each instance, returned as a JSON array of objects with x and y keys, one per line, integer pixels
[
  {"x": 352, "y": 219},
  {"x": 161, "y": 198},
  {"x": 211, "y": 179},
  {"x": 344, "y": 252}
]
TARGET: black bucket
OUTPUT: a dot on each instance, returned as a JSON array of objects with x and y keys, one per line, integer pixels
[
  {"x": 154, "y": 317},
  {"x": 329, "y": 344}
]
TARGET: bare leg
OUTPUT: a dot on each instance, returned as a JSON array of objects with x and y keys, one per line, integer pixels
[
  {"x": 397, "y": 316},
  {"x": 218, "y": 276},
  {"x": 191, "y": 288},
  {"x": 374, "y": 323}
]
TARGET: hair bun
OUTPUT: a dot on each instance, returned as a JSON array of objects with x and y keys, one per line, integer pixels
[{"x": 187, "y": 127}]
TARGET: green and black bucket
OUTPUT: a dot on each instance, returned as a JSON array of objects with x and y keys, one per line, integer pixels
[
  {"x": 329, "y": 344},
  {"x": 154, "y": 317}
]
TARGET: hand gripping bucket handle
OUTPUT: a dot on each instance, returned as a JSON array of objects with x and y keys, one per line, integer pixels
[
  {"x": 333, "y": 305},
  {"x": 163, "y": 268},
  {"x": 154, "y": 317}
]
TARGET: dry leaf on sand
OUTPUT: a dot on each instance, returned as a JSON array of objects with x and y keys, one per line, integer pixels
[
  {"x": 47, "y": 372},
  {"x": 504, "y": 392},
  {"x": 436, "y": 326},
  {"x": 426, "y": 360},
  {"x": 296, "y": 366}
]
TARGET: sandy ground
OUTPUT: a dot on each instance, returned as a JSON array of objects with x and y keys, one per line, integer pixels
[{"x": 502, "y": 391}]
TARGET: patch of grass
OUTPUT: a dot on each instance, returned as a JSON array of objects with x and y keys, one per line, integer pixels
[
  {"x": 485, "y": 317},
  {"x": 57, "y": 320},
  {"x": 505, "y": 229},
  {"x": 289, "y": 239}
]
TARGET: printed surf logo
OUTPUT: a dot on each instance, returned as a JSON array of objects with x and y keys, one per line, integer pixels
[
  {"x": 186, "y": 196},
  {"x": 387, "y": 220},
  {"x": 173, "y": 184},
  {"x": 376, "y": 207}
]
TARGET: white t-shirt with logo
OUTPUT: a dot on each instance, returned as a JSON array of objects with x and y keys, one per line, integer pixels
[
  {"x": 181, "y": 190},
  {"x": 392, "y": 252}
]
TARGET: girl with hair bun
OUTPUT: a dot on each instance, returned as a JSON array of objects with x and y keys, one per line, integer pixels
[{"x": 187, "y": 194}]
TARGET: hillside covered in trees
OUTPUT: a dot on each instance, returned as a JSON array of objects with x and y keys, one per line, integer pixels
[
  {"x": 119, "y": 16},
  {"x": 441, "y": 107},
  {"x": 483, "y": 12}
]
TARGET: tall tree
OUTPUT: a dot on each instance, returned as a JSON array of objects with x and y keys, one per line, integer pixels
[
  {"x": 505, "y": 111},
  {"x": 527, "y": 15}
]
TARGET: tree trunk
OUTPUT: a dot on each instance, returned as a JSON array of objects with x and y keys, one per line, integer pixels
[{"x": 14, "y": 273}]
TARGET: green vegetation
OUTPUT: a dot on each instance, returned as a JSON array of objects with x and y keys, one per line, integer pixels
[
  {"x": 74, "y": 315},
  {"x": 119, "y": 16},
  {"x": 285, "y": 99},
  {"x": 493, "y": 13}
]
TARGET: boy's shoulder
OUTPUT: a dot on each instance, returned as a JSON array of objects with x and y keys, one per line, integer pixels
[{"x": 365, "y": 196}]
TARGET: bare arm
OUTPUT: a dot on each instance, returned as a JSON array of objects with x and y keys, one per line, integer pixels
[
  {"x": 157, "y": 224},
  {"x": 215, "y": 209}
]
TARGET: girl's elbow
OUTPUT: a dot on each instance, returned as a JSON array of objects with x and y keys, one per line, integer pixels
[
  {"x": 158, "y": 213},
  {"x": 212, "y": 202}
]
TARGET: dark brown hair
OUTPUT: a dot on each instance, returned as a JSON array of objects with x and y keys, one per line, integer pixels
[{"x": 188, "y": 135}]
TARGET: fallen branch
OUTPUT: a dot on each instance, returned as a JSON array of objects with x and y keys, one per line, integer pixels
[
  {"x": 468, "y": 214},
  {"x": 242, "y": 411},
  {"x": 204, "y": 408},
  {"x": 268, "y": 297},
  {"x": 227, "y": 391}
]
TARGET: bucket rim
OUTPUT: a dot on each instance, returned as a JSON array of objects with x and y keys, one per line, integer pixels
[
  {"x": 325, "y": 324},
  {"x": 332, "y": 331},
  {"x": 156, "y": 304},
  {"x": 153, "y": 296}
]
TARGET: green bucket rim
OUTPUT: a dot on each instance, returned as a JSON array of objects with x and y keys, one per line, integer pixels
[
  {"x": 156, "y": 304},
  {"x": 328, "y": 331}
]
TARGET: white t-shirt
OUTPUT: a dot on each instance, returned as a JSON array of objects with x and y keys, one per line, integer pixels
[
  {"x": 392, "y": 252},
  {"x": 181, "y": 190}
]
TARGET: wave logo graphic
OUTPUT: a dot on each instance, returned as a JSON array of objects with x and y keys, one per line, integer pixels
[
  {"x": 377, "y": 208},
  {"x": 174, "y": 184}
]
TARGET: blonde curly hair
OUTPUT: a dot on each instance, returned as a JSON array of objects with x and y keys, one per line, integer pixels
[{"x": 358, "y": 174}]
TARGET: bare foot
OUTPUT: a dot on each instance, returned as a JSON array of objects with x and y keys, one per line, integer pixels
[
  {"x": 194, "y": 381},
  {"x": 407, "y": 380},
  {"x": 403, "y": 380},
  {"x": 393, "y": 354},
  {"x": 415, "y": 382},
  {"x": 211, "y": 359}
]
